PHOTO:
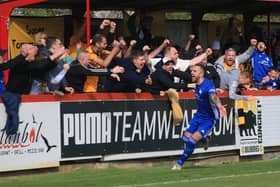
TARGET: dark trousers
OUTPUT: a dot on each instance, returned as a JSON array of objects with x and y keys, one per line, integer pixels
[{"x": 11, "y": 102}]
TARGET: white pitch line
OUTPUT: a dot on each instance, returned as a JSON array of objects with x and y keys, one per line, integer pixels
[{"x": 201, "y": 179}]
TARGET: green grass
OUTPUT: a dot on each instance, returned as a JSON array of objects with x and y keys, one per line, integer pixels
[{"x": 246, "y": 174}]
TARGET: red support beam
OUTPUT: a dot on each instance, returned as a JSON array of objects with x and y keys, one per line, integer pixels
[
  {"x": 6, "y": 9},
  {"x": 88, "y": 20}
]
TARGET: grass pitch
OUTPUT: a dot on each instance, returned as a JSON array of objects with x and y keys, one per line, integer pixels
[{"x": 245, "y": 174}]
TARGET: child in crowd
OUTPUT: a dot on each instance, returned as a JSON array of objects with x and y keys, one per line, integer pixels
[
  {"x": 245, "y": 82},
  {"x": 272, "y": 80}
]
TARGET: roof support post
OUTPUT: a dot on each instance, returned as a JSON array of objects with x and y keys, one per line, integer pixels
[
  {"x": 248, "y": 18},
  {"x": 196, "y": 19},
  {"x": 79, "y": 22},
  {"x": 268, "y": 35}
]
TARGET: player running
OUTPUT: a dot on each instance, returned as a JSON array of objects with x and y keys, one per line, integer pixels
[{"x": 209, "y": 110}]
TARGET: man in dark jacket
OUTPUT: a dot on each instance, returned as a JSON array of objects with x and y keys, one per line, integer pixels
[
  {"x": 163, "y": 79},
  {"x": 78, "y": 72},
  {"x": 20, "y": 81},
  {"x": 136, "y": 74}
]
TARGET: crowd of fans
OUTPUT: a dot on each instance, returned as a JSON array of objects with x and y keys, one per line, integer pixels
[{"x": 114, "y": 64}]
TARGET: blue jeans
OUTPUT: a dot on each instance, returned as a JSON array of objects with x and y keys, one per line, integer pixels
[{"x": 11, "y": 102}]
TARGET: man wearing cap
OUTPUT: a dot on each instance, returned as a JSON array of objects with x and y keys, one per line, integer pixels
[
  {"x": 163, "y": 83},
  {"x": 163, "y": 78}
]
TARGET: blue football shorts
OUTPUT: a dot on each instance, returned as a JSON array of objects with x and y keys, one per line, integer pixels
[{"x": 203, "y": 126}]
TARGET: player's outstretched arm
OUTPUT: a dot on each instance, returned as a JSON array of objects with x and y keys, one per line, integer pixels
[{"x": 215, "y": 100}]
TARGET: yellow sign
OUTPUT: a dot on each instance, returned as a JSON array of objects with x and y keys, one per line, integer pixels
[{"x": 22, "y": 30}]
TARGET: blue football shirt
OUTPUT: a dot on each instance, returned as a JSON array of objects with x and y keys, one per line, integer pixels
[
  {"x": 261, "y": 64},
  {"x": 205, "y": 109}
]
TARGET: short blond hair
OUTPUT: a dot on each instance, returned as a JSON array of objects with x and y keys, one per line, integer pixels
[{"x": 38, "y": 36}]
